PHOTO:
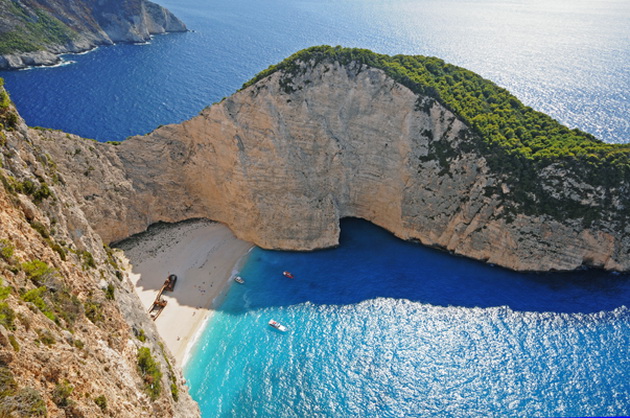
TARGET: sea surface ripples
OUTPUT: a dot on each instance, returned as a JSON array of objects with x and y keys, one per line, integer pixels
[
  {"x": 566, "y": 58},
  {"x": 394, "y": 357},
  {"x": 427, "y": 354}
]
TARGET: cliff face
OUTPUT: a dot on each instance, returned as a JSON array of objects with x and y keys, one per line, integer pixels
[
  {"x": 73, "y": 333},
  {"x": 34, "y": 32},
  {"x": 281, "y": 161}
]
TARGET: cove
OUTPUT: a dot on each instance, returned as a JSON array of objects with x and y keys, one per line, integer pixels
[{"x": 382, "y": 327}]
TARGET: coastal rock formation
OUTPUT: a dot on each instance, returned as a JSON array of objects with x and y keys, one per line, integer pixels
[
  {"x": 35, "y": 32},
  {"x": 75, "y": 339},
  {"x": 307, "y": 143},
  {"x": 281, "y": 161}
]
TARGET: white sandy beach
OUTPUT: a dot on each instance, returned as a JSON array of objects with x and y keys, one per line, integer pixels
[{"x": 203, "y": 255}]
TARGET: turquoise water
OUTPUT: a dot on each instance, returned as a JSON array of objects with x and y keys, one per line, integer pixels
[
  {"x": 379, "y": 327},
  {"x": 568, "y": 58}
]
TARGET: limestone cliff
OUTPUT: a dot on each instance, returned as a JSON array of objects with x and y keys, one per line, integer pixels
[
  {"x": 35, "y": 32},
  {"x": 281, "y": 161},
  {"x": 74, "y": 338}
]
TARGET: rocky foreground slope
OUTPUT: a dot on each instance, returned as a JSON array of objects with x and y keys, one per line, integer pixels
[
  {"x": 74, "y": 337},
  {"x": 35, "y": 32}
]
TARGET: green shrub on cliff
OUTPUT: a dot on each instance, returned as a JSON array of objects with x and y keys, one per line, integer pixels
[
  {"x": 5, "y": 100},
  {"x": 4, "y": 290},
  {"x": 39, "y": 272},
  {"x": 8, "y": 118},
  {"x": 8, "y": 386},
  {"x": 150, "y": 373},
  {"x": 93, "y": 311},
  {"x": 51, "y": 296},
  {"x": 61, "y": 394},
  {"x": 31, "y": 403},
  {"x": 43, "y": 192},
  {"x": 109, "y": 292},
  {"x": 46, "y": 337},
  {"x": 7, "y": 315},
  {"x": 88, "y": 260},
  {"x": 101, "y": 401},
  {"x": 171, "y": 374},
  {"x": 35, "y": 296},
  {"x": 6, "y": 250},
  {"x": 516, "y": 139},
  {"x": 26, "y": 402},
  {"x": 56, "y": 303},
  {"x": 32, "y": 31}
]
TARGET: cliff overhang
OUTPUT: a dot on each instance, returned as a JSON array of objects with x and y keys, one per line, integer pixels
[{"x": 333, "y": 133}]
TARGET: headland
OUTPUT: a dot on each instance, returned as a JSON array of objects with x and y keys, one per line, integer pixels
[
  {"x": 36, "y": 33},
  {"x": 329, "y": 133}
]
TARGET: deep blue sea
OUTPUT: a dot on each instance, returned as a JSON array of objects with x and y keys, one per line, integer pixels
[
  {"x": 379, "y": 327},
  {"x": 568, "y": 58}
]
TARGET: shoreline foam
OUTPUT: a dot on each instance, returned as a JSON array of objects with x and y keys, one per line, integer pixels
[
  {"x": 204, "y": 255},
  {"x": 215, "y": 302}
]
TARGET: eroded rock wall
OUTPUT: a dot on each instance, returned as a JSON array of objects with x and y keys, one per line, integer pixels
[{"x": 281, "y": 161}]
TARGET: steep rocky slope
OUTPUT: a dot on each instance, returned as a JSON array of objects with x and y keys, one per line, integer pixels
[
  {"x": 74, "y": 337},
  {"x": 284, "y": 159},
  {"x": 34, "y": 32}
]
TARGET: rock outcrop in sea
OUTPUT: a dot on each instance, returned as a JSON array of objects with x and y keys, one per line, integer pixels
[
  {"x": 36, "y": 32},
  {"x": 282, "y": 160}
]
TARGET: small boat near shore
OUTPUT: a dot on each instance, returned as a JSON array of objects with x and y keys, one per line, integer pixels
[
  {"x": 239, "y": 279},
  {"x": 287, "y": 274},
  {"x": 278, "y": 326}
]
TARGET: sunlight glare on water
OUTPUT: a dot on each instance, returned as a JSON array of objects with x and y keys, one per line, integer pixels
[
  {"x": 566, "y": 58},
  {"x": 468, "y": 339}
]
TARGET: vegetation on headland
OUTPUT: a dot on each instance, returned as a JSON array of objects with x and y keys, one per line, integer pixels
[
  {"x": 13, "y": 400},
  {"x": 499, "y": 118},
  {"x": 7, "y": 315},
  {"x": 517, "y": 141},
  {"x": 54, "y": 302},
  {"x": 32, "y": 31},
  {"x": 25, "y": 402},
  {"x": 8, "y": 117},
  {"x": 50, "y": 296}
]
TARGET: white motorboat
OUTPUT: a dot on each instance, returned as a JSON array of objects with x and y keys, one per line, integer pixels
[
  {"x": 278, "y": 326},
  {"x": 239, "y": 279}
]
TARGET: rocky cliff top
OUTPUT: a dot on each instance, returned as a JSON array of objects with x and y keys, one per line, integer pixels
[
  {"x": 499, "y": 119},
  {"x": 34, "y": 32}
]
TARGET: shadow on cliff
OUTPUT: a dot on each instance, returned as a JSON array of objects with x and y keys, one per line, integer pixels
[{"x": 371, "y": 263}]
